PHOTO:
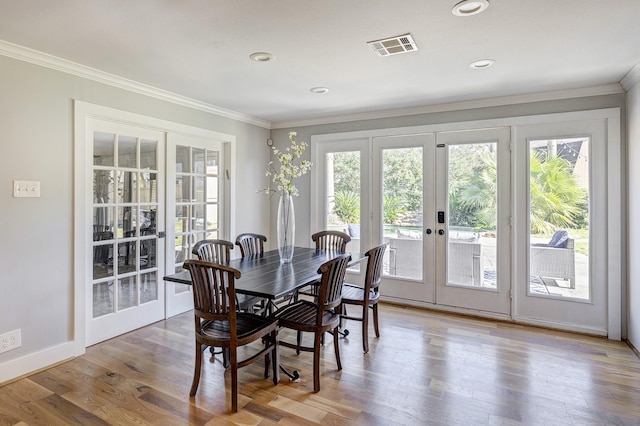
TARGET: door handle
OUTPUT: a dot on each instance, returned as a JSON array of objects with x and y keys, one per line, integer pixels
[
  {"x": 440, "y": 231},
  {"x": 428, "y": 231}
]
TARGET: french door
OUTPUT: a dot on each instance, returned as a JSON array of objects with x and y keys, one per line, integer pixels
[
  {"x": 127, "y": 219},
  {"x": 445, "y": 214},
  {"x": 441, "y": 203}
]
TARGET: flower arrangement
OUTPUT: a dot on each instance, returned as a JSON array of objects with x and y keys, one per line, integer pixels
[{"x": 290, "y": 168}]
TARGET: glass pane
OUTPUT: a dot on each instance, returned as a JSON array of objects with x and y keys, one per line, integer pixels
[
  {"x": 198, "y": 218},
  {"x": 103, "y": 186},
  {"x": 103, "y": 147},
  {"x": 212, "y": 216},
  {"x": 148, "y": 287},
  {"x": 343, "y": 195},
  {"x": 127, "y": 188},
  {"x": 103, "y": 219},
  {"x": 182, "y": 249},
  {"x": 148, "y": 187},
  {"x": 182, "y": 159},
  {"x": 126, "y": 257},
  {"x": 198, "y": 189},
  {"x": 127, "y": 151},
  {"x": 182, "y": 219},
  {"x": 402, "y": 211},
  {"x": 559, "y": 198},
  {"x": 148, "y": 253},
  {"x": 102, "y": 298},
  {"x": 148, "y": 154},
  {"x": 146, "y": 218},
  {"x": 198, "y": 161},
  {"x": 126, "y": 222},
  {"x": 212, "y": 163},
  {"x": 212, "y": 189},
  {"x": 102, "y": 261},
  {"x": 471, "y": 250},
  {"x": 183, "y": 189},
  {"x": 127, "y": 292}
]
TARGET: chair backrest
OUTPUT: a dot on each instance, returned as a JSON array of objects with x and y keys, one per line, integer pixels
[
  {"x": 374, "y": 268},
  {"x": 216, "y": 251},
  {"x": 251, "y": 244},
  {"x": 330, "y": 289},
  {"x": 213, "y": 292},
  {"x": 331, "y": 240}
]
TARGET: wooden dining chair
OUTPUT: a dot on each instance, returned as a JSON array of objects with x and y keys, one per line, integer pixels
[
  {"x": 365, "y": 297},
  {"x": 219, "y": 251},
  {"x": 331, "y": 240},
  {"x": 318, "y": 316},
  {"x": 218, "y": 323},
  {"x": 251, "y": 244},
  {"x": 327, "y": 240}
]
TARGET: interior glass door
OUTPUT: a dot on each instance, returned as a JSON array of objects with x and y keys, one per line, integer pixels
[
  {"x": 128, "y": 253},
  {"x": 195, "y": 210}
]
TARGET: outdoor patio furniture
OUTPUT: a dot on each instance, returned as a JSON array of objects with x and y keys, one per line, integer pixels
[{"x": 556, "y": 259}]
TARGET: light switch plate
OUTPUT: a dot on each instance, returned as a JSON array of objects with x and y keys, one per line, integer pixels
[{"x": 26, "y": 188}]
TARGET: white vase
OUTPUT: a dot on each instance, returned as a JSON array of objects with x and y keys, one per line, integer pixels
[{"x": 286, "y": 227}]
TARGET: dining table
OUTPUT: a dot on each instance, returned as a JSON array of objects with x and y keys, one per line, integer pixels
[{"x": 263, "y": 275}]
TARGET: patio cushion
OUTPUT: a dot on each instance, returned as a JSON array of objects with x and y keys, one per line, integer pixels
[{"x": 559, "y": 239}]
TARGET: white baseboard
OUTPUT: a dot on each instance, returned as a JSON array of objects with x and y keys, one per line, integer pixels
[{"x": 33, "y": 362}]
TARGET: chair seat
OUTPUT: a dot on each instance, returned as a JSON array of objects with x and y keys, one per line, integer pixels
[
  {"x": 247, "y": 326},
  {"x": 353, "y": 294},
  {"x": 302, "y": 316}
]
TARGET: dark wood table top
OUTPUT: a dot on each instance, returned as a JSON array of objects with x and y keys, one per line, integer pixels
[{"x": 264, "y": 275}]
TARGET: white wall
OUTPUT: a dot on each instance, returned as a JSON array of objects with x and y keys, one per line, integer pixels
[
  {"x": 36, "y": 238},
  {"x": 633, "y": 137}
]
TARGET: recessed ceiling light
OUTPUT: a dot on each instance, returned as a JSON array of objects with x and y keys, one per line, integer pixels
[
  {"x": 319, "y": 90},
  {"x": 481, "y": 64},
  {"x": 261, "y": 57},
  {"x": 470, "y": 7}
]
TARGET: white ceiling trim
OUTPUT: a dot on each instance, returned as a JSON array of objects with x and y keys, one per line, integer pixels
[
  {"x": 49, "y": 61},
  {"x": 632, "y": 78},
  {"x": 605, "y": 89}
]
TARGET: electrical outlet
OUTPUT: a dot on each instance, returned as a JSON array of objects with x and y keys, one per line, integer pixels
[{"x": 10, "y": 340}]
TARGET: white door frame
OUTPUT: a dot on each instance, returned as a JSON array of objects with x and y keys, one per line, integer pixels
[{"x": 84, "y": 111}]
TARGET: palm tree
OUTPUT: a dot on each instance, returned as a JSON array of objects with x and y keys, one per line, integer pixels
[{"x": 555, "y": 196}]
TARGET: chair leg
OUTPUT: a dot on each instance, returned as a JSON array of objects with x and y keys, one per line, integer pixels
[
  {"x": 365, "y": 329},
  {"x": 299, "y": 342},
  {"x": 234, "y": 381},
  {"x": 375, "y": 319},
  {"x": 336, "y": 347},
  {"x": 316, "y": 361},
  {"x": 196, "y": 372}
]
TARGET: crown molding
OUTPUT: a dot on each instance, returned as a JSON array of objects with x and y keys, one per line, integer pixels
[
  {"x": 49, "y": 61},
  {"x": 632, "y": 78},
  {"x": 605, "y": 89}
]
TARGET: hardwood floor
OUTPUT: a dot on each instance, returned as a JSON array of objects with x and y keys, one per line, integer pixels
[{"x": 426, "y": 368}]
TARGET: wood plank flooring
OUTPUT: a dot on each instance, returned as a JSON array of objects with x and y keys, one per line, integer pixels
[{"x": 426, "y": 368}]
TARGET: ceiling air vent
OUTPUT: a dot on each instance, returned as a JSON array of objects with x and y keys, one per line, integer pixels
[{"x": 393, "y": 45}]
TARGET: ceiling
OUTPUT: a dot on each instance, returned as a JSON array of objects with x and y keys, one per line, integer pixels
[{"x": 199, "y": 49}]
